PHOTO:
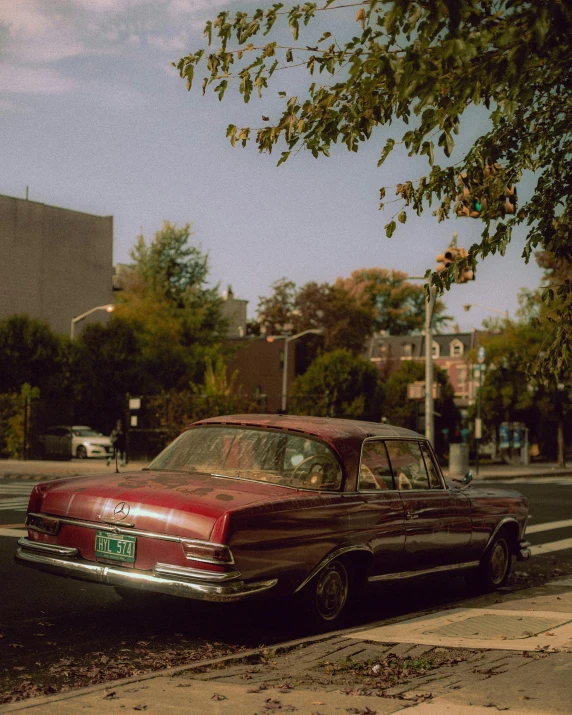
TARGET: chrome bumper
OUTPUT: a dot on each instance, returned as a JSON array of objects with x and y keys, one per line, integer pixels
[
  {"x": 523, "y": 551},
  {"x": 65, "y": 561}
]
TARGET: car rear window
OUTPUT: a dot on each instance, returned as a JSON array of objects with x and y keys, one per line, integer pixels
[{"x": 254, "y": 454}]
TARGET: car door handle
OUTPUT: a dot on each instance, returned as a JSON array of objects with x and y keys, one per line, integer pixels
[{"x": 409, "y": 515}]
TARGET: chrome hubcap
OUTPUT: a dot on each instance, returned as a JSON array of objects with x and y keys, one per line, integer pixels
[
  {"x": 332, "y": 591},
  {"x": 498, "y": 561}
]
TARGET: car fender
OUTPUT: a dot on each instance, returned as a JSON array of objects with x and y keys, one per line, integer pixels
[
  {"x": 328, "y": 559},
  {"x": 503, "y": 522}
]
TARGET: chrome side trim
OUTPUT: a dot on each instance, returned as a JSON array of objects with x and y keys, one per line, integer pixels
[
  {"x": 140, "y": 580},
  {"x": 102, "y": 526},
  {"x": 44, "y": 548},
  {"x": 425, "y": 572},
  {"x": 190, "y": 573},
  {"x": 330, "y": 558}
]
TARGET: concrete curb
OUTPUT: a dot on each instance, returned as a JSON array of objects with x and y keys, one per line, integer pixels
[{"x": 170, "y": 672}]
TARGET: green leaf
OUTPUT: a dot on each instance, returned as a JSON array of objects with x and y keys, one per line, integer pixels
[{"x": 390, "y": 228}]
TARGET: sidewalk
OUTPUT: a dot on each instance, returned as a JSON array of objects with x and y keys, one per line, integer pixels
[
  {"x": 47, "y": 469},
  {"x": 514, "y": 655}
]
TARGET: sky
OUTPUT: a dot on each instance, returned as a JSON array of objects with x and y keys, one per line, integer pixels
[{"x": 94, "y": 118}]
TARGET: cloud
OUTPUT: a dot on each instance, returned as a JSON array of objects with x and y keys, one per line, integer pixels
[
  {"x": 38, "y": 38},
  {"x": 31, "y": 80}
]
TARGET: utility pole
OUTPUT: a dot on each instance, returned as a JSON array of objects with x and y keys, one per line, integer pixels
[{"x": 429, "y": 416}]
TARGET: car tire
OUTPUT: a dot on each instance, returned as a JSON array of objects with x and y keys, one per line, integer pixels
[
  {"x": 81, "y": 452},
  {"x": 494, "y": 569},
  {"x": 329, "y": 593}
]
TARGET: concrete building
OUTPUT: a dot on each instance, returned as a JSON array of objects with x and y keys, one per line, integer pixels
[
  {"x": 56, "y": 263},
  {"x": 234, "y": 312}
]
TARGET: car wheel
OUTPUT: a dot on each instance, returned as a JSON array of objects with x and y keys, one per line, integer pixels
[
  {"x": 330, "y": 592},
  {"x": 495, "y": 565},
  {"x": 81, "y": 452}
]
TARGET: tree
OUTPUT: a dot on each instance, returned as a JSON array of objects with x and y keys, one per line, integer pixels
[
  {"x": 108, "y": 364},
  {"x": 426, "y": 64},
  {"x": 401, "y": 411},
  {"x": 176, "y": 317},
  {"x": 346, "y": 322},
  {"x": 510, "y": 392},
  {"x": 31, "y": 353},
  {"x": 397, "y": 304},
  {"x": 338, "y": 384},
  {"x": 276, "y": 313}
]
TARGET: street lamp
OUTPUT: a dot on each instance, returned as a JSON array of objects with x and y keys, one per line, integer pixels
[
  {"x": 108, "y": 308},
  {"x": 288, "y": 339},
  {"x": 468, "y": 307}
]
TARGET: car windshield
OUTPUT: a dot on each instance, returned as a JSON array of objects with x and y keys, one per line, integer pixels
[
  {"x": 256, "y": 454},
  {"x": 87, "y": 433}
]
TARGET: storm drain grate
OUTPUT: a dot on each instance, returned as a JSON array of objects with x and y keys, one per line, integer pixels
[{"x": 495, "y": 626}]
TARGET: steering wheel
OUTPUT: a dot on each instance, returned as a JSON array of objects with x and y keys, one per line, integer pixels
[{"x": 314, "y": 461}]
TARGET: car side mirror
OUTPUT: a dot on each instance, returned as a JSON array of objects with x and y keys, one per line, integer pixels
[{"x": 468, "y": 478}]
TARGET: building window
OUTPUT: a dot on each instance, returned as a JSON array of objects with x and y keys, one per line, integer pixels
[
  {"x": 461, "y": 379},
  {"x": 436, "y": 349},
  {"x": 407, "y": 350},
  {"x": 383, "y": 350},
  {"x": 456, "y": 348}
]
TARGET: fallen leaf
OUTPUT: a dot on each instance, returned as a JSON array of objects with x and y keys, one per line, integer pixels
[
  {"x": 216, "y": 696},
  {"x": 140, "y": 707},
  {"x": 15, "y": 645}
]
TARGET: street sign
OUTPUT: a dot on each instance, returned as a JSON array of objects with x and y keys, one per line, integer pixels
[{"x": 481, "y": 355}]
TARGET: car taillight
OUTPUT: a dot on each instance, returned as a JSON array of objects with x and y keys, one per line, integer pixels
[
  {"x": 36, "y": 498},
  {"x": 205, "y": 552},
  {"x": 44, "y": 524}
]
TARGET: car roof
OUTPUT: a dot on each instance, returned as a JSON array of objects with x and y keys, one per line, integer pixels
[{"x": 327, "y": 428}]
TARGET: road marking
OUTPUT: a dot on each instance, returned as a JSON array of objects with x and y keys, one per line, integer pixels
[
  {"x": 14, "y": 505},
  {"x": 551, "y": 546},
  {"x": 13, "y": 532},
  {"x": 548, "y": 525}
]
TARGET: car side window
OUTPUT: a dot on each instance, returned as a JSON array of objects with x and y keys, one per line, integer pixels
[
  {"x": 408, "y": 465},
  {"x": 434, "y": 479},
  {"x": 375, "y": 471}
]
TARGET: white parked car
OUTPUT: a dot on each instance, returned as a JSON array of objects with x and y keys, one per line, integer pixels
[{"x": 78, "y": 441}]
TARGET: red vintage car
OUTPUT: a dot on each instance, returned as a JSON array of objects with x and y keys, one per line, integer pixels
[{"x": 245, "y": 505}]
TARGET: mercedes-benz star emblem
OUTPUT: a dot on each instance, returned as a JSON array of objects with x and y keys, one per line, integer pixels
[{"x": 121, "y": 510}]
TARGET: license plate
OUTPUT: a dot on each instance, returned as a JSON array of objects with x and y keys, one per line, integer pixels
[{"x": 119, "y": 547}]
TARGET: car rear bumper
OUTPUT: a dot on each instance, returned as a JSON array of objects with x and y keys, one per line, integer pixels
[{"x": 64, "y": 561}]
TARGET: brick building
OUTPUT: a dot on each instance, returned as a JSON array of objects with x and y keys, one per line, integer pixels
[{"x": 450, "y": 352}]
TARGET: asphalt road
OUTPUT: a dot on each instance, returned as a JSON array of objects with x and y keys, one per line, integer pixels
[{"x": 52, "y": 626}]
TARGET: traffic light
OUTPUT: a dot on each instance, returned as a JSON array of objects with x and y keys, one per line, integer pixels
[
  {"x": 445, "y": 259},
  {"x": 465, "y": 272},
  {"x": 459, "y": 256},
  {"x": 510, "y": 199},
  {"x": 468, "y": 204},
  {"x": 474, "y": 196}
]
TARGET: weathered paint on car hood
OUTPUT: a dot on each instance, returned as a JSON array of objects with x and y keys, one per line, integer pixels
[{"x": 172, "y": 503}]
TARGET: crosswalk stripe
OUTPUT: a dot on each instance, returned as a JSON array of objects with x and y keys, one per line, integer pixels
[
  {"x": 13, "y": 532},
  {"x": 551, "y": 546},
  {"x": 14, "y": 505},
  {"x": 548, "y": 526}
]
